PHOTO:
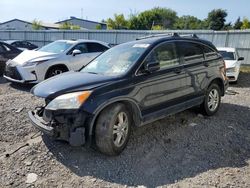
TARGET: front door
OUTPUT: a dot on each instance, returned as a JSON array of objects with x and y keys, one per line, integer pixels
[{"x": 162, "y": 88}]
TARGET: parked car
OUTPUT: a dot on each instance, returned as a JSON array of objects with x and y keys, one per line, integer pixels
[
  {"x": 131, "y": 84},
  {"x": 233, "y": 62},
  {"x": 22, "y": 44},
  {"x": 7, "y": 52},
  {"x": 55, "y": 58}
]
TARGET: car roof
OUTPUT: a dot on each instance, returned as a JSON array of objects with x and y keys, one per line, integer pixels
[
  {"x": 10, "y": 41},
  {"x": 227, "y": 49},
  {"x": 161, "y": 38},
  {"x": 85, "y": 40}
]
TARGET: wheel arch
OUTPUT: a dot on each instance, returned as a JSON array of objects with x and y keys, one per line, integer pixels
[
  {"x": 129, "y": 103},
  {"x": 220, "y": 83},
  {"x": 53, "y": 66}
]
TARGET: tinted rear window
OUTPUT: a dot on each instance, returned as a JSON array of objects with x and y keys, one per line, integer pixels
[{"x": 190, "y": 52}]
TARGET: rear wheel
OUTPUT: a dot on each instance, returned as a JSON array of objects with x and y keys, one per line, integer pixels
[
  {"x": 212, "y": 100},
  {"x": 55, "y": 71},
  {"x": 113, "y": 129}
]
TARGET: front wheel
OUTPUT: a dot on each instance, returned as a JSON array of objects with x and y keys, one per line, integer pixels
[
  {"x": 212, "y": 100},
  {"x": 113, "y": 129},
  {"x": 55, "y": 71}
]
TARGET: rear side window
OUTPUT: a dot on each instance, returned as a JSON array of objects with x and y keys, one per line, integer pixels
[
  {"x": 96, "y": 47},
  {"x": 190, "y": 52},
  {"x": 210, "y": 53}
]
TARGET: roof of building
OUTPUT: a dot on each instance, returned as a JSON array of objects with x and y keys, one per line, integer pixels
[
  {"x": 74, "y": 18},
  {"x": 47, "y": 25}
]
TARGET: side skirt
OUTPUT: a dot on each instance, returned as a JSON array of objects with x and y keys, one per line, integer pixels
[{"x": 149, "y": 118}]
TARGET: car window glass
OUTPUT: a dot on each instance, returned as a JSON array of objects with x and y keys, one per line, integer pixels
[
  {"x": 190, "y": 52},
  {"x": 165, "y": 54},
  {"x": 82, "y": 47},
  {"x": 227, "y": 55},
  {"x": 210, "y": 53},
  {"x": 95, "y": 47}
]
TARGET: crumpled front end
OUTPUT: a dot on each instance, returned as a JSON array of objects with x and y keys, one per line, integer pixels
[{"x": 68, "y": 125}]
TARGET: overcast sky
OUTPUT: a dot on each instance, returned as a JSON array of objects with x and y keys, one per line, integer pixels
[{"x": 96, "y": 10}]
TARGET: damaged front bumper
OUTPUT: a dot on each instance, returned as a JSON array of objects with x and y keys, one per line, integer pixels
[{"x": 68, "y": 125}]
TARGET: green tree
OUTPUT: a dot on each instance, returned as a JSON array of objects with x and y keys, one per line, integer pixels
[
  {"x": 69, "y": 26},
  {"x": 157, "y": 16},
  {"x": 36, "y": 25},
  {"x": 216, "y": 19},
  {"x": 245, "y": 24},
  {"x": 188, "y": 22},
  {"x": 119, "y": 22},
  {"x": 237, "y": 24},
  {"x": 98, "y": 27}
]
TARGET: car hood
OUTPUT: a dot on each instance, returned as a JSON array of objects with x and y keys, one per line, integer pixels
[
  {"x": 31, "y": 56},
  {"x": 69, "y": 82},
  {"x": 230, "y": 63}
]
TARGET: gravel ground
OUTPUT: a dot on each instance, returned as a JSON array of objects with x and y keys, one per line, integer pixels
[{"x": 183, "y": 150}]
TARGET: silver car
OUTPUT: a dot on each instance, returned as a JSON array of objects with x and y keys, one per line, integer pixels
[{"x": 33, "y": 66}]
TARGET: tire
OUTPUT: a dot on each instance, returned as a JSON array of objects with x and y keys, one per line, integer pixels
[
  {"x": 212, "y": 100},
  {"x": 55, "y": 71},
  {"x": 108, "y": 132}
]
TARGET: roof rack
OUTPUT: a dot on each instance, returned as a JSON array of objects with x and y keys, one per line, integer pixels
[
  {"x": 190, "y": 35},
  {"x": 168, "y": 35},
  {"x": 159, "y": 35}
]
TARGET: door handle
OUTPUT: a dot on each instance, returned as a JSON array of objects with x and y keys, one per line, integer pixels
[
  {"x": 206, "y": 64},
  {"x": 178, "y": 70}
]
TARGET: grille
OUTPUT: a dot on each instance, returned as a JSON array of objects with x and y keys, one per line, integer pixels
[{"x": 12, "y": 72}]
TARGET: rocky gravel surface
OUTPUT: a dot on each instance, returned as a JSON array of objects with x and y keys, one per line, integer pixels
[{"x": 183, "y": 150}]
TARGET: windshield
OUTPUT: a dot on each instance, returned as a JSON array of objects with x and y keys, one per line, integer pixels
[
  {"x": 227, "y": 55},
  {"x": 56, "y": 47},
  {"x": 116, "y": 60}
]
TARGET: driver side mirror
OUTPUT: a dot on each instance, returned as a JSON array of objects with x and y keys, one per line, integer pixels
[
  {"x": 240, "y": 58},
  {"x": 76, "y": 52}
]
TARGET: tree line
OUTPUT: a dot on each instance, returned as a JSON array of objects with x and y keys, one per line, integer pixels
[{"x": 163, "y": 18}]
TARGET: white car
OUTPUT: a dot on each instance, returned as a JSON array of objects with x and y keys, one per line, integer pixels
[
  {"x": 233, "y": 62},
  {"x": 34, "y": 66}
]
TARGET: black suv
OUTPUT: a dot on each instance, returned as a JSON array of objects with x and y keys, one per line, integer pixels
[{"x": 131, "y": 84}]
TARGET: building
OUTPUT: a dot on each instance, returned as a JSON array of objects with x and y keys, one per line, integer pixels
[
  {"x": 84, "y": 24},
  {"x": 17, "y": 24}
]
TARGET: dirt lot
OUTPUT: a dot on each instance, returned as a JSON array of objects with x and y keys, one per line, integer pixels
[{"x": 184, "y": 150}]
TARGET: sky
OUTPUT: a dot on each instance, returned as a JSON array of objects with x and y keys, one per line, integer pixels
[{"x": 96, "y": 10}]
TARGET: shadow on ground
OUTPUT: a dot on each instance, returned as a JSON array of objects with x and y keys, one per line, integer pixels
[
  {"x": 243, "y": 80},
  {"x": 168, "y": 150}
]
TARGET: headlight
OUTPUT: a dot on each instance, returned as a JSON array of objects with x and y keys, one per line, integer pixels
[
  {"x": 231, "y": 69},
  {"x": 31, "y": 63},
  {"x": 68, "y": 101}
]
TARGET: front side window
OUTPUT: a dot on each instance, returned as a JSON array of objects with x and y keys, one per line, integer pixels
[
  {"x": 82, "y": 47},
  {"x": 56, "y": 47},
  {"x": 166, "y": 55},
  {"x": 190, "y": 52},
  {"x": 116, "y": 60}
]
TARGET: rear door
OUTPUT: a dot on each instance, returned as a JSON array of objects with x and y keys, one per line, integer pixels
[
  {"x": 161, "y": 89},
  {"x": 196, "y": 68}
]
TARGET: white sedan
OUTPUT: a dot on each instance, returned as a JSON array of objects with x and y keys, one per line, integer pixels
[
  {"x": 33, "y": 66},
  {"x": 233, "y": 62}
]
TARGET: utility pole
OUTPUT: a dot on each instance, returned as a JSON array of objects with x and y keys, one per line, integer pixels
[{"x": 81, "y": 13}]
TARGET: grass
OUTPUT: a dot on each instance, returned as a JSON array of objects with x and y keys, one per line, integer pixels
[{"x": 245, "y": 68}]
